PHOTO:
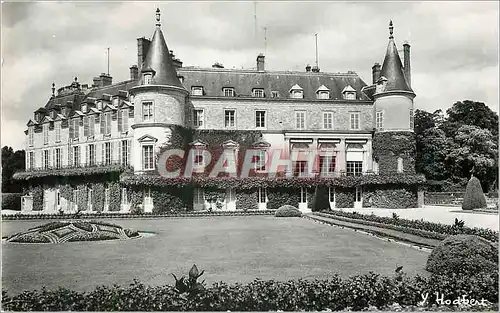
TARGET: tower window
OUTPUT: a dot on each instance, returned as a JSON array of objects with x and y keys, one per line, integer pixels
[
  {"x": 147, "y": 111},
  {"x": 379, "y": 120},
  {"x": 147, "y": 157},
  {"x": 148, "y": 78}
]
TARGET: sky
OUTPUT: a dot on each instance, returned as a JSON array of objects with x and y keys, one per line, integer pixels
[{"x": 454, "y": 45}]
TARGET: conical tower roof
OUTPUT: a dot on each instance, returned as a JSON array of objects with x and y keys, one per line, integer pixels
[
  {"x": 392, "y": 68},
  {"x": 159, "y": 60}
]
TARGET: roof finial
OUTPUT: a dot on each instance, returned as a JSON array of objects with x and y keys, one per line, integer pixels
[
  {"x": 391, "y": 30},
  {"x": 158, "y": 17},
  {"x": 53, "y": 89},
  {"x": 76, "y": 79}
]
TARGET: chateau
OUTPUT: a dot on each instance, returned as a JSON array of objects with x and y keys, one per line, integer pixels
[{"x": 95, "y": 148}]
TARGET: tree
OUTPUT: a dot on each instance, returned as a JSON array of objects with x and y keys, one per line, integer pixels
[
  {"x": 470, "y": 113},
  {"x": 429, "y": 143},
  {"x": 474, "y": 151},
  {"x": 433, "y": 148},
  {"x": 320, "y": 199},
  {"x": 11, "y": 162}
]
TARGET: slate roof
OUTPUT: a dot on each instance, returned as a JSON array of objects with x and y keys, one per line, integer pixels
[
  {"x": 158, "y": 59},
  {"x": 392, "y": 69},
  {"x": 243, "y": 81}
]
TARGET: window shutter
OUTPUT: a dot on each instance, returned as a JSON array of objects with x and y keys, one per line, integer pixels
[
  {"x": 71, "y": 129},
  {"x": 125, "y": 120},
  {"x": 129, "y": 147},
  {"x": 120, "y": 148},
  {"x": 54, "y": 157},
  {"x": 70, "y": 156},
  {"x": 91, "y": 125},
  {"x": 108, "y": 123},
  {"x": 120, "y": 121},
  {"x": 85, "y": 126},
  {"x": 102, "y": 124},
  {"x": 112, "y": 148},
  {"x": 77, "y": 127},
  {"x": 97, "y": 154},
  {"x": 87, "y": 155},
  {"x": 103, "y": 153}
]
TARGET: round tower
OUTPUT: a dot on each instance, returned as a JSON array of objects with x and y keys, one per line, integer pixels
[
  {"x": 394, "y": 140},
  {"x": 159, "y": 104}
]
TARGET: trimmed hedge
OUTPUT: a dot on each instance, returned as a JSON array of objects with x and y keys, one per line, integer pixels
[
  {"x": 463, "y": 255},
  {"x": 68, "y": 172},
  {"x": 390, "y": 197},
  {"x": 288, "y": 211},
  {"x": 344, "y": 197},
  {"x": 11, "y": 201},
  {"x": 443, "y": 229},
  {"x": 361, "y": 292},
  {"x": 246, "y": 200}
]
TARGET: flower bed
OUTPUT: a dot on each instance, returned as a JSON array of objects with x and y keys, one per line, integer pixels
[
  {"x": 414, "y": 225},
  {"x": 139, "y": 215},
  {"x": 362, "y": 292},
  {"x": 59, "y": 232}
]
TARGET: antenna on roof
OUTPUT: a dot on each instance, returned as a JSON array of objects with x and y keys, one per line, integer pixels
[
  {"x": 316, "y": 35},
  {"x": 108, "y": 61},
  {"x": 255, "y": 20},
  {"x": 265, "y": 40}
]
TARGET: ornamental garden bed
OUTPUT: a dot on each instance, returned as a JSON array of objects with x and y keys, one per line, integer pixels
[
  {"x": 71, "y": 231},
  {"x": 417, "y": 227},
  {"x": 118, "y": 215}
]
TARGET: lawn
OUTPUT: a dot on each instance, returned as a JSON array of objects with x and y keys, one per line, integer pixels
[{"x": 232, "y": 249}]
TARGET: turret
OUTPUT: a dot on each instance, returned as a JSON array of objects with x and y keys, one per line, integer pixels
[
  {"x": 393, "y": 95},
  {"x": 159, "y": 100}
]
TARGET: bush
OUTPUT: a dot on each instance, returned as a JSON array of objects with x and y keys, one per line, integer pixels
[
  {"x": 278, "y": 197},
  {"x": 11, "y": 201},
  {"x": 474, "y": 197},
  {"x": 463, "y": 255},
  {"x": 287, "y": 211},
  {"x": 86, "y": 226},
  {"x": 361, "y": 292},
  {"x": 131, "y": 232}
]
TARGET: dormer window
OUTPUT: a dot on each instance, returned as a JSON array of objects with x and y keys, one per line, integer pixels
[
  {"x": 275, "y": 94},
  {"x": 197, "y": 91},
  {"x": 228, "y": 92},
  {"x": 323, "y": 92},
  {"x": 148, "y": 78},
  {"x": 296, "y": 92},
  {"x": 84, "y": 108},
  {"x": 349, "y": 93},
  {"x": 258, "y": 93}
]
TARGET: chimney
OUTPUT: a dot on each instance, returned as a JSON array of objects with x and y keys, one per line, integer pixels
[
  {"x": 308, "y": 68},
  {"x": 97, "y": 82},
  {"x": 177, "y": 63},
  {"x": 106, "y": 79},
  {"x": 134, "y": 72},
  {"x": 407, "y": 66},
  {"x": 375, "y": 72},
  {"x": 142, "y": 50},
  {"x": 315, "y": 69},
  {"x": 260, "y": 62},
  {"x": 217, "y": 65}
]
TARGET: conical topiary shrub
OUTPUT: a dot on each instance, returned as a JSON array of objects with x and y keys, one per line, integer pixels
[
  {"x": 474, "y": 197},
  {"x": 320, "y": 199}
]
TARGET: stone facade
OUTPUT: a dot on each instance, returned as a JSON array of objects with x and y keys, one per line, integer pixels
[{"x": 163, "y": 104}]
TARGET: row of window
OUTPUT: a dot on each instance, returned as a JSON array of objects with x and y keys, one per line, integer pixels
[
  {"x": 52, "y": 158},
  {"x": 88, "y": 127},
  {"x": 200, "y": 199},
  {"x": 259, "y": 93},
  {"x": 261, "y": 119}
]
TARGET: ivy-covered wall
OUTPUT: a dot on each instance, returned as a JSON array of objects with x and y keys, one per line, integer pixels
[
  {"x": 98, "y": 197},
  {"x": 389, "y": 146},
  {"x": 344, "y": 197},
  {"x": 246, "y": 200},
  {"x": 390, "y": 197},
  {"x": 37, "y": 193},
  {"x": 278, "y": 197},
  {"x": 114, "y": 196},
  {"x": 171, "y": 199}
]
